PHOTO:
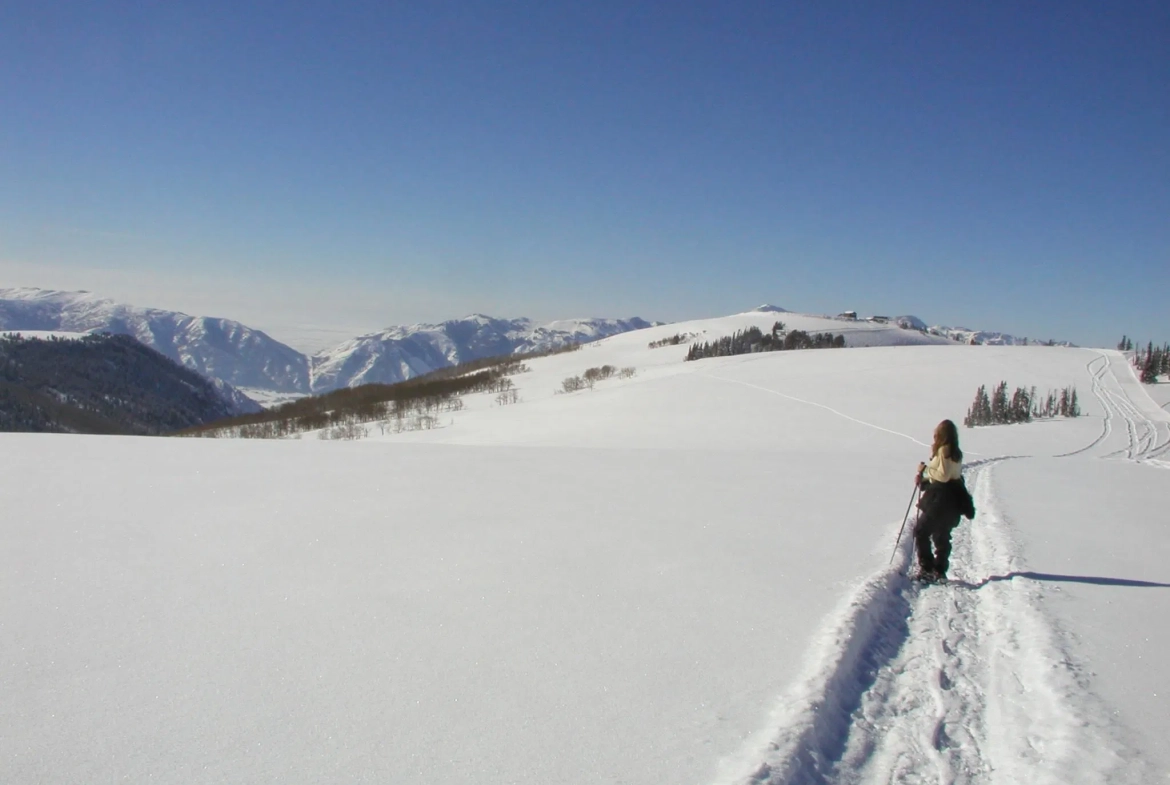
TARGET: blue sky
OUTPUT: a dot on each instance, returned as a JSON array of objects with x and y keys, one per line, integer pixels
[{"x": 315, "y": 169}]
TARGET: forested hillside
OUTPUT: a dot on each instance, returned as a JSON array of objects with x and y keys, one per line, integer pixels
[{"x": 107, "y": 384}]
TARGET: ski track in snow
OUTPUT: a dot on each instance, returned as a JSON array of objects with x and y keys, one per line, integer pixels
[
  {"x": 817, "y": 405},
  {"x": 968, "y": 683}
]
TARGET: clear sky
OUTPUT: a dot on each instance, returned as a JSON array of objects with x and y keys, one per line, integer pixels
[{"x": 317, "y": 169}]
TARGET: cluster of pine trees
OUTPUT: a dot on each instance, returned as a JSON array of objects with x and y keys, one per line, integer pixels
[
  {"x": 1022, "y": 406},
  {"x": 755, "y": 340},
  {"x": 1151, "y": 363}
]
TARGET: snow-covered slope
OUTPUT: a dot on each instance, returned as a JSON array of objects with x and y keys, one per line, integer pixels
[
  {"x": 682, "y": 576},
  {"x": 399, "y": 353},
  {"x": 217, "y": 348}
]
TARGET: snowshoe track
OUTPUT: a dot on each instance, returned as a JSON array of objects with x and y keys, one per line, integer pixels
[
  {"x": 967, "y": 683},
  {"x": 971, "y": 682}
]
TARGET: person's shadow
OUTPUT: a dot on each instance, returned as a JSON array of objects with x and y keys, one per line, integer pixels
[{"x": 1044, "y": 576}]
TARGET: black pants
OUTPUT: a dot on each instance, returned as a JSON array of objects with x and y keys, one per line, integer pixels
[{"x": 930, "y": 531}]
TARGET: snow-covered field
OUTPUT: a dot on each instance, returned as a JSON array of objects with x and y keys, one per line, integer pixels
[
  {"x": 1160, "y": 392},
  {"x": 677, "y": 577}
]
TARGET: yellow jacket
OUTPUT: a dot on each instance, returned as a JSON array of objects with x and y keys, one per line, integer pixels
[{"x": 941, "y": 468}]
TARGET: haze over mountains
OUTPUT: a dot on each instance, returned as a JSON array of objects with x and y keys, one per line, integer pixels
[
  {"x": 217, "y": 348},
  {"x": 268, "y": 370},
  {"x": 251, "y": 360}
]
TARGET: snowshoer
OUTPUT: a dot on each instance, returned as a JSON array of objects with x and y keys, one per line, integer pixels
[{"x": 944, "y": 498}]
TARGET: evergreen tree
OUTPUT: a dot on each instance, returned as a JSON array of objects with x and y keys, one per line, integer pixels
[
  {"x": 1149, "y": 373},
  {"x": 1020, "y": 409},
  {"x": 999, "y": 404},
  {"x": 973, "y": 414}
]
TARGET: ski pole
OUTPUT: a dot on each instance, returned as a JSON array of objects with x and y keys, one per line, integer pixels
[{"x": 905, "y": 518}]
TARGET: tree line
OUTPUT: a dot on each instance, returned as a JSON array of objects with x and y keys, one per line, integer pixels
[
  {"x": 1022, "y": 406},
  {"x": 592, "y": 376},
  {"x": 412, "y": 404},
  {"x": 753, "y": 339},
  {"x": 1151, "y": 363}
]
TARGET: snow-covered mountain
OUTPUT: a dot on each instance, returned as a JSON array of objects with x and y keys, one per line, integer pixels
[
  {"x": 989, "y": 338},
  {"x": 399, "y": 353},
  {"x": 230, "y": 352},
  {"x": 270, "y": 371},
  {"x": 216, "y": 348},
  {"x": 968, "y": 336}
]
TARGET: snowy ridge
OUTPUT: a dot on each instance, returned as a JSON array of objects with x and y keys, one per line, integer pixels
[
  {"x": 967, "y": 335},
  {"x": 247, "y": 358},
  {"x": 216, "y": 348},
  {"x": 42, "y": 335},
  {"x": 399, "y": 353}
]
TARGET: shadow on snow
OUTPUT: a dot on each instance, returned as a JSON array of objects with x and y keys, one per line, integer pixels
[{"x": 1044, "y": 576}]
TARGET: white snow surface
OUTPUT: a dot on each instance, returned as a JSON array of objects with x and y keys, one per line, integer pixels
[
  {"x": 1160, "y": 392},
  {"x": 678, "y": 577}
]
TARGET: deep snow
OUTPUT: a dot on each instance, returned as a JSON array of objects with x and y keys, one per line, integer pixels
[{"x": 679, "y": 577}]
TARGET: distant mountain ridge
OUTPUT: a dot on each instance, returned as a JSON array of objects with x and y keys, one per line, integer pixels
[
  {"x": 233, "y": 353},
  {"x": 238, "y": 356},
  {"x": 400, "y": 353},
  {"x": 965, "y": 335},
  {"x": 216, "y": 348}
]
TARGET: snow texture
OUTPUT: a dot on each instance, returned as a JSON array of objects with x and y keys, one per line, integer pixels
[{"x": 683, "y": 576}]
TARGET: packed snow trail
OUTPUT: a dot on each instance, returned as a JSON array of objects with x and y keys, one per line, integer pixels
[
  {"x": 983, "y": 689},
  {"x": 971, "y": 682},
  {"x": 964, "y": 683}
]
